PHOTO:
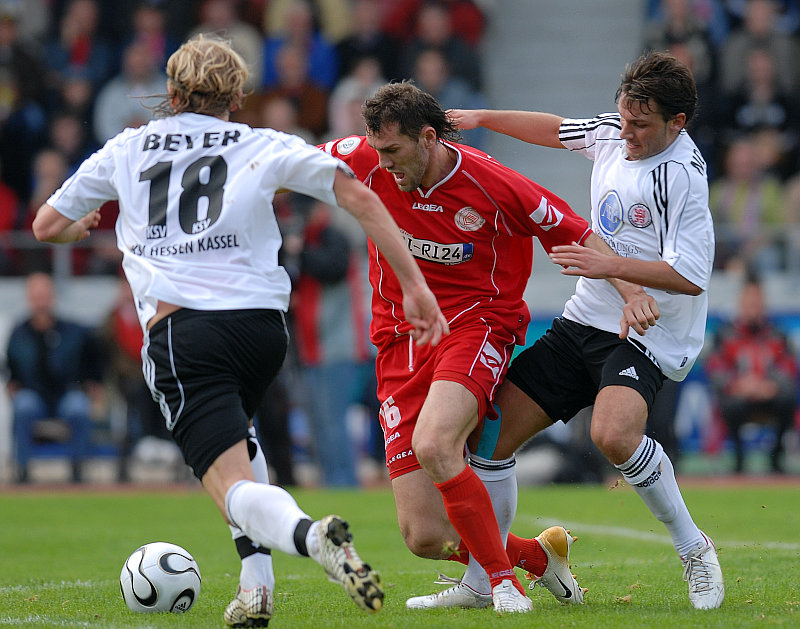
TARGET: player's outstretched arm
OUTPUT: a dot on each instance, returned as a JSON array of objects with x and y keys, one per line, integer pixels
[
  {"x": 51, "y": 226},
  {"x": 419, "y": 303},
  {"x": 640, "y": 309},
  {"x": 529, "y": 126}
]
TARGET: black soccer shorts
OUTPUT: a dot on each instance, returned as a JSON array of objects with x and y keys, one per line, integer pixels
[
  {"x": 209, "y": 371},
  {"x": 565, "y": 369}
]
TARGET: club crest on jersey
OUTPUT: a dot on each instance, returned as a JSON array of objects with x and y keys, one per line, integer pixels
[
  {"x": 639, "y": 216},
  {"x": 469, "y": 220},
  {"x": 348, "y": 145},
  {"x": 610, "y": 213}
]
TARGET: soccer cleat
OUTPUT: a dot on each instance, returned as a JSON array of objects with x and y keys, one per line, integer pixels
[
  {"x": 508, "y": 599},
  {"x": 701, "y": 570},
  {"x": 341, "y": 561},
  {"x": 557, "y": 577},
  {"x": 250, "y": 608},
  {"x": 460, "y": 595}
]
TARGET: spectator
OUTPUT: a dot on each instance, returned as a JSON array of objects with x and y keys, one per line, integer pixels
[
  {"x": 761, "y": 103},
  {"x": 331, "y": 322},
  {"x": 149, "y": 27},
  {"x": 74, "y": 93},
  {"x": 465, "y": 17},
  {"x": 9, "y": 215},
  {"x": 33, "y": 17},
  {"x": 20, "y": 57},
  {"x": 677, "y": 24},
  {"x": 432, "y": 74},
  {"x": 753, "y": 372},
  {"x": 272, "y": 424},
  {"x": 54, "y": 372},
  {"x": 23, "y": 120},
  {"x": 49, "y": 170},
  {"x": 121, "y": 334},
  {"x": 344, "y": 104},
  {"x": 70, "y": 136},
  {"x": 123, "y": 101},
  {"x": 747, "y": 205},
  {"x": 294, "y": 83},
  {"x": 280, "y": 113},
  {"x": 80, "y": 45},
  {"x": 435, "y": 31},
  {"x": 319, "y": 55},
  {"x": 758, "y": 30},
  {"x": 221, "y": 17},
  {"x": 332, "y": 18},
  {"x": 708, "y": 124},
  {"x": 368, "y": 40}
]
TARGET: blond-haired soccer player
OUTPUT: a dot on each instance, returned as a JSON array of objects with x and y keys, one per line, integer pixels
[{"x": 200, "y": 244}]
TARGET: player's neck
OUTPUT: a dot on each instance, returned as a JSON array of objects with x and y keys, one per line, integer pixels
[{"x": 443, "y": 160}]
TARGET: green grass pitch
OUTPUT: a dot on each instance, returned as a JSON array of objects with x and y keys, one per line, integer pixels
[{"x": 61, "y": 554}]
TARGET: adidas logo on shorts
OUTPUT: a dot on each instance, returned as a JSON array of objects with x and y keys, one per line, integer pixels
[{"x": 630, "y": 372}]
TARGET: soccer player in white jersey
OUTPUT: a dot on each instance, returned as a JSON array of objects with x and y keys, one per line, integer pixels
[
  {"x": 200, "y": 244},
  {"x": 649, "y": 202}
]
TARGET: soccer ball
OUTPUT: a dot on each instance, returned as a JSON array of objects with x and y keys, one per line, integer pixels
[{"x": 160, "y": 577}]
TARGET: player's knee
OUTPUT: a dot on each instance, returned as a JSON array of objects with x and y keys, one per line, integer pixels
[
  {"x": 610, "y": 440},
  {"x": 423, "y": 543}
]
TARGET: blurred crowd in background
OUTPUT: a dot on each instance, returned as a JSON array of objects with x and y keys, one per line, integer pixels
[{"x": 74, "y": 73}]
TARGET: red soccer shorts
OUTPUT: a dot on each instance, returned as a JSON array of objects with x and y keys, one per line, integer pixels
[{"x": 475, "y": 356}]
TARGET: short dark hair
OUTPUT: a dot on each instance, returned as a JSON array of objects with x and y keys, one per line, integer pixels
[
  {"x": 663, "y": 79},
  {"x": 411, "y": 108}
]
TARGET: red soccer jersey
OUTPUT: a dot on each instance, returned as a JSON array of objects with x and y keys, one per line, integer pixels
[{"x": 470, "y": 233}]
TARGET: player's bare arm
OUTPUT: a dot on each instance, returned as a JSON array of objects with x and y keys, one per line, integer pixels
[
  {"x": 640, "y": 310},
  {"x": 587, "y": 262},
  {"x": 419, "y": 303},
  {"x": 529, "y": 126},
  {"x": 51, "y": 226}
]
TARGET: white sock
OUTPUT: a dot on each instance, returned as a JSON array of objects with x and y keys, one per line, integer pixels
[
  {"x": 649, "y": 471},
  {"x": 501, "y": 482},
  {"x": 267, "y": 514},
  {"x": 257, "y": 460},
  {"x": 256, "y": 568}
]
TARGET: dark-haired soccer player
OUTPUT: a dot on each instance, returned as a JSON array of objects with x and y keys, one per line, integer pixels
[{"x": 649, "y": 202}]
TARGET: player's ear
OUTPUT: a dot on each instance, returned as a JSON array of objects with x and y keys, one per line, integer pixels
[
  {"x": 428, "y": 135},
  {"x": 677, "y": 122}
]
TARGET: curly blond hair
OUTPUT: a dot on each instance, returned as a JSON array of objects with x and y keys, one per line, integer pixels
[{"x": 204, "y": 76}]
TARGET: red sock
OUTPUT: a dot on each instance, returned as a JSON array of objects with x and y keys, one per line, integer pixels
[
  {"x": 527, "y": 554},
  {"x": 470, "y": 511},
  {"x": 522, "y": 552}
]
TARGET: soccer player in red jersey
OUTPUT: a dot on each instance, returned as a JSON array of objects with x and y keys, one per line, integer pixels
[{"x": 470, "y": 223}]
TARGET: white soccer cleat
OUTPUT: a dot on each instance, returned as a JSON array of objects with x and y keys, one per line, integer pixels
[
  {"x": 341, "y": 561},
  {"x": 460, "y": 595},
  {"x": 701, "y": 570},
  {"x": 250, "y": 608},
  {"x": 509, "y": 600},
  {"x": 558, "y": 578}
]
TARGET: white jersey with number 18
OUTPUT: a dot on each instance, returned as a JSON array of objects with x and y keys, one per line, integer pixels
[
  {"x": 196, "y": 225},
  {"x": 650, "y": 209}
]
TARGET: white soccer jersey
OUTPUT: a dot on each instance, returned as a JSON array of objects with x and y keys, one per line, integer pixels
[
  {"x": 650, "y": 209},
  {"x": 196, "y": 224}
]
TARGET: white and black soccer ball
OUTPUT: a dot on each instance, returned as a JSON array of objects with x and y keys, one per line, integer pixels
[{"x": 160, "y": 577}]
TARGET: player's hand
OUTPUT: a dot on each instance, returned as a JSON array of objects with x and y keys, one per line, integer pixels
[
  {"x": 464, "y": 118},
  {"x": 640, "y": 312},
  {"x": 584, "y": 261},
  {"x": 423, "y": 313},
  {"x": 82, "y": 228}
]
